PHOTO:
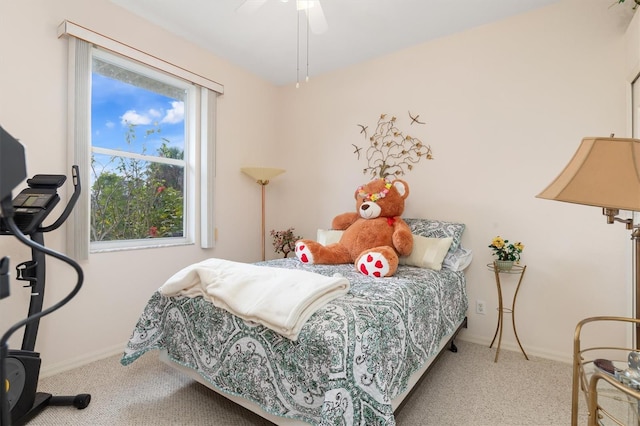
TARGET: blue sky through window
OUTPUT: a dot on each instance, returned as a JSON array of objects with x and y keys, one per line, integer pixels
[{"x": 115, "y": 103}]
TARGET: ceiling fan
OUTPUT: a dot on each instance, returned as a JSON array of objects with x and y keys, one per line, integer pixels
[{"x": 313, "y": 9}]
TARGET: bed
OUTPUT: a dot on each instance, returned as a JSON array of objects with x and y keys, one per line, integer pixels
[{"x": 355, "y": 359}]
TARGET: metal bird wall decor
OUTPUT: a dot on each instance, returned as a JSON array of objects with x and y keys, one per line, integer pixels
[
  {"x": 391, "y": 152},
  {"x": 357, "y": 149},
  {"x": 414, "y": 119}
]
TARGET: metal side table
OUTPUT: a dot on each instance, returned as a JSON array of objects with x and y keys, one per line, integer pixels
[{"x": 516, "y": 270}]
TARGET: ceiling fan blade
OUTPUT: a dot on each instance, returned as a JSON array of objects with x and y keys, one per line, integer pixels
[
  {"x": 250, "y": 6},
  {"x": 317, "y": 20}
]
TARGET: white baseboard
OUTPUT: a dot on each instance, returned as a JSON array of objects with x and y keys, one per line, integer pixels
[
  {"x": 61, "y": 367},
  {"x": 512, "y": 346}
]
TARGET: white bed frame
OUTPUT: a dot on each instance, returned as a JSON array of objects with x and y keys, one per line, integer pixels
[{"x": 396, "y": 403}]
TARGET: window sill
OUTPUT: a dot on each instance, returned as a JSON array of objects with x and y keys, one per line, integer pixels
[{"x": 111, "y": 246}]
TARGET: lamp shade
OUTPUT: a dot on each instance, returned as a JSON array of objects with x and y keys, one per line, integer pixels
[
  {"x": 604, "y": 172},
  {"x": 261, "y": 174}
]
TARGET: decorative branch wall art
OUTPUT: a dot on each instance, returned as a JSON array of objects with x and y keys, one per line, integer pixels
[{"x": 391, "y": 151}]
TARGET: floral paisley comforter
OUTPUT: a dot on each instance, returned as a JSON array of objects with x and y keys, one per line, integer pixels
[{"x": 352, "y": 357}]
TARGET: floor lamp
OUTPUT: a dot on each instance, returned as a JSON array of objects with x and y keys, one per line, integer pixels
[
  {"x": 262, "y": 175},
  {"x": 605, "y": 172}
]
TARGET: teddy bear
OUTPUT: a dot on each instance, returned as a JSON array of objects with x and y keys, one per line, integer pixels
[{"x": 374, "y": 235}]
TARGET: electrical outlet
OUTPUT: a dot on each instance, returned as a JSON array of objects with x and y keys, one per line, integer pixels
[{"x": 480, "y": 307}]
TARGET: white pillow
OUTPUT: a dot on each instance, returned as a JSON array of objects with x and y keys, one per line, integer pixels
[
  {"x": 427, "y": 252},
  {"x": 459, "y": 260},
  {"x": 328, "y": 236}
]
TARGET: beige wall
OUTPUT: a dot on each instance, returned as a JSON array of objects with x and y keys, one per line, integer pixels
[
  {"x": 505, "y": 104},
  {"x": 33, "y": 102}
]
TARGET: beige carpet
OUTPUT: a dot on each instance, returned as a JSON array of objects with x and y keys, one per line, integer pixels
[{"x": 465, "y": 388}]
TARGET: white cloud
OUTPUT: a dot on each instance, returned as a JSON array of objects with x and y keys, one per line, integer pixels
[
  {"x": 132, "y": 117},
  {"x": 172, "y": 116},
  {"x": 110, "y": 124},
  {"x": 175, "y": 114}
]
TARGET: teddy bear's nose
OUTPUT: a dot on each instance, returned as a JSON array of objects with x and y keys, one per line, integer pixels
[{"x": 365, "y": 206}]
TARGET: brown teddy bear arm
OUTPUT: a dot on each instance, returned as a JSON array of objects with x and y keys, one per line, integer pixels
[
  {"x": 344, "y": 220},
  {"x": 402, "y": 239}
]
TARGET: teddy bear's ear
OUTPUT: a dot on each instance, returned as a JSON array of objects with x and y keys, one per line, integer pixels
[{"x": 402, "y": 187}]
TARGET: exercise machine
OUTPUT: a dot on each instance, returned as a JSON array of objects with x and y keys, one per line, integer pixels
[{"x": 23, "y": 218}]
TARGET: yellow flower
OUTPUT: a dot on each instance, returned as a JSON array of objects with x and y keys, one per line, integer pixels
[
  {"x": 497, "y": 242},
  {"x": 519, "y": 246}
]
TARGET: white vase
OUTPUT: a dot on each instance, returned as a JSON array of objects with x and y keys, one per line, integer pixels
[{"x": 504, "y": 265}]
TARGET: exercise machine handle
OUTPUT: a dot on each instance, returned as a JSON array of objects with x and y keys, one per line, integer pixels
[{"x": 70, "y": 205}]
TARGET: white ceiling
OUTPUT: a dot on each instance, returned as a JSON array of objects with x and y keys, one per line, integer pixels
[{"x": 265, "y": 41}]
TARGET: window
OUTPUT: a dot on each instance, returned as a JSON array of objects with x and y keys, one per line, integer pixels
[
  {"x": 138, "y": 143},
  {"x": 137, "y": 125}
]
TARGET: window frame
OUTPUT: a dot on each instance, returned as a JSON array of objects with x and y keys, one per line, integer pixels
[
  {"x": 191, "y": 112},
  {"x": 201, "y": 174}
]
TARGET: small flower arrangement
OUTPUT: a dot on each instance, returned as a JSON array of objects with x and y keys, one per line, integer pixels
[
  {"x": 505, "y": 250},
  {"x": 284, "y": 241}
]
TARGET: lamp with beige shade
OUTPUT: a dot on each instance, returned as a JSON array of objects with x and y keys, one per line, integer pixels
[
  {"x": 262, "y": 176},
  {"x": 605, "y": 172}
]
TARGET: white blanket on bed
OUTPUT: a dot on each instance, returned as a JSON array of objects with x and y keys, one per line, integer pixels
[{"x": 280, "y": 299}]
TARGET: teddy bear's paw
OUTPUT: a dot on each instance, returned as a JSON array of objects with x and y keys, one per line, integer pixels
[
  {"x": 373, "y": 264},
  {"x": 303, "y": 252}
]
